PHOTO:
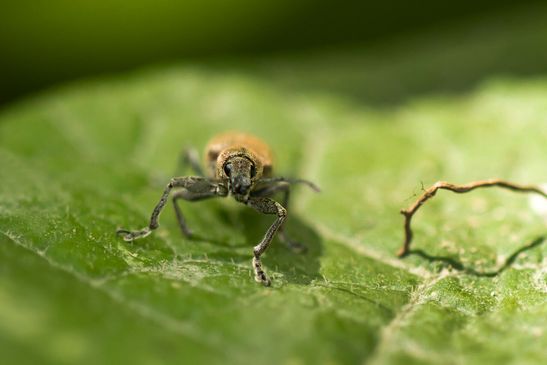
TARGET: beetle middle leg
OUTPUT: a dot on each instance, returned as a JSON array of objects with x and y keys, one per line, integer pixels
[
  {"x": 191, "y": 196},
  {"x": 189, "y": 156},
  {"x": 268, "y": 191},
  {"x": 266, "y": 206},
  {"x": 193, "y": 186}
]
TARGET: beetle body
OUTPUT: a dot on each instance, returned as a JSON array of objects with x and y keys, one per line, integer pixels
[{"x": 239, "y": 165}]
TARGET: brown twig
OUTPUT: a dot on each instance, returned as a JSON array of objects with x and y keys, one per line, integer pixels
[{"x": 431, "y": 191}]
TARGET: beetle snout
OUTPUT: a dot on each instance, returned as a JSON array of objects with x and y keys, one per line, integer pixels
[{"x": 241, "y": 184}]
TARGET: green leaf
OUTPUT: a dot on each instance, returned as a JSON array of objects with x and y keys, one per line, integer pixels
[{"x": 84, "y": 160}]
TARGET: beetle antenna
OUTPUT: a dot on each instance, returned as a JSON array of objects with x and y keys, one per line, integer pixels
[{"x": 293, "y": 181}]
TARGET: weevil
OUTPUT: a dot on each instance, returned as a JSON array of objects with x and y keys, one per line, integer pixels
[{"x": 237, "y": 165}]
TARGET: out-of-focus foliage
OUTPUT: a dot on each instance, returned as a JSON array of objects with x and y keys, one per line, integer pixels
[{"x": 45, "y": 42}]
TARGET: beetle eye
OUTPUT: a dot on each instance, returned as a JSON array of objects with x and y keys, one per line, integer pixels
[
  {"x": 228, "y": 169},
  {"x": 253, "y": 171}
]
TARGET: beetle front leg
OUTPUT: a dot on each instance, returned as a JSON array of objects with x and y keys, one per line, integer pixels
[
  {"x": 266, "y": 206},
  {"x": 271, "y": 189},
  {"x": 193, "y": 185}
]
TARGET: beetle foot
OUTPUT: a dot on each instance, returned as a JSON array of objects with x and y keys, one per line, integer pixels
[
  {"x": 133, "y": 235},
  {"x": 260, "y": 275}
]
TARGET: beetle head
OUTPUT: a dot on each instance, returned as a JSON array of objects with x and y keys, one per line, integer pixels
[{"x": 240, "y": 169}]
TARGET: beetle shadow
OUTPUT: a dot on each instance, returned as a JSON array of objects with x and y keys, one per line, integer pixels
[
  {"x": 296, "y": 267},
  {"x": 459, "y": 266},
  {"x": 299, "y": 268}
]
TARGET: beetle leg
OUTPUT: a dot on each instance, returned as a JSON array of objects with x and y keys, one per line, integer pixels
[
  {"x": 281, "y": 186},
  {"x": 294, "y": 245},
  {"x": 273, "y": 180},
  {"x": 193, "y": 187},
  {"x": 189, "y": 196},
  {"x": 189, "y": 156},
  {"x": 266, "y": 206}
]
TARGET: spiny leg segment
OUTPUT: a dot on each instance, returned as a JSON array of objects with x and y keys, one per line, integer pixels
[{"x": 266, "y": 206}]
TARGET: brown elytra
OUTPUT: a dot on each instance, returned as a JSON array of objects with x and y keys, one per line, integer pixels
[{"x": 226, "y": 145}]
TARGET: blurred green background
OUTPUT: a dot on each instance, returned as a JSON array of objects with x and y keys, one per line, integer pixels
[{"x": 43, "y": 43}]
